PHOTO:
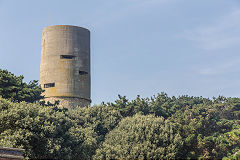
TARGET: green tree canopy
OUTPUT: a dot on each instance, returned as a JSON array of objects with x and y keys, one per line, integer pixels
[
  {"x": 141, "y": 137},
  {"x": 100, "y": 119},
  {"x": 12, "y": 87},
  {"x": 159, "y": 127},
  {"x": 44, "y": 132}
]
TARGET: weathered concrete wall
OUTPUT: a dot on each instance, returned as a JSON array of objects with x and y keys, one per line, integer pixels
[
  {"x": 65, "y": 62},
  {"x": 11, "y": 153},
  {"x": 68, "y": 102}
]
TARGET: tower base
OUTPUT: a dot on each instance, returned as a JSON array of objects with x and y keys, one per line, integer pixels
[{"x": 68, "y": 102}]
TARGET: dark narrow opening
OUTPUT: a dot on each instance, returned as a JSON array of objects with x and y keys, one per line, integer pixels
[
  {"x": 67, "y": 56},
  {"x": 83, "y": 72},
  {"x": 49, "y": 85}
]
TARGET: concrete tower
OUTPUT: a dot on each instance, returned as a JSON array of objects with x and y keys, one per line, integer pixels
[{"x": 65, "y": 65}]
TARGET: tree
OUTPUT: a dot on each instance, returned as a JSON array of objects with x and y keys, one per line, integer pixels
[
  {"x": 235, "y": 156},
  {"x": 209, "y": 131},
  {"x": 44, "y": 132},
  {"x": 12, "y": 87},
  {"x": 101, "y": 119},
  {"x": 141, "y": 137}
]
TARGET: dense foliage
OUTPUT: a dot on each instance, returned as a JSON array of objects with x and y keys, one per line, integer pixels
[
  {"x": 159, "y": 127},
  {"x": 44, "y": 132},
  {"x": 12, "y": 87},
  {"x": 142, "y": 137}
]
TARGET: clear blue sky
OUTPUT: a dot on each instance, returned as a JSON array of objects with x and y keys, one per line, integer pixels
[{"x": 138, "y": 47}]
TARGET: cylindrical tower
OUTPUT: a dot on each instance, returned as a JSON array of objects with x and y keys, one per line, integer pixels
[{"x": 65, "y": 65}]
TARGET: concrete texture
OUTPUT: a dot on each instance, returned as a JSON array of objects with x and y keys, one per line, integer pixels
[
  {"x": 68, "y": 102},
  {"x": 65, "y": 63}
]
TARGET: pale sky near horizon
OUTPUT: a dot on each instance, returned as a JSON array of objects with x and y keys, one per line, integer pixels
[{"x": 138, "y": 47}]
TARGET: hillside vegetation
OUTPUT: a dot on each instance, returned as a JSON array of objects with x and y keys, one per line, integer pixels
[{"x": 159, "y": 127}]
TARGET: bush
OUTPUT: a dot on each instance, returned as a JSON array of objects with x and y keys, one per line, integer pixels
[
  {"x": 44, "y": 132},
  {"x": 141, "y": 137}
]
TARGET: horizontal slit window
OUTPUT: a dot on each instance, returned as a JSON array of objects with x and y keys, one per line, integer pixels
[
  {"x": 67, "y": 56},
  {"x": 83, "y": 72},
  {"x": 49, "y": 85}
]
